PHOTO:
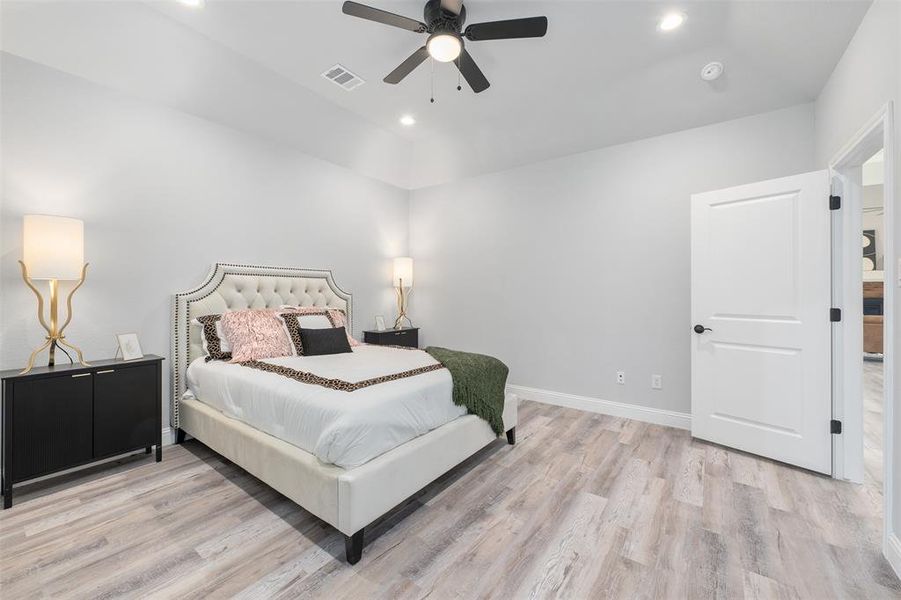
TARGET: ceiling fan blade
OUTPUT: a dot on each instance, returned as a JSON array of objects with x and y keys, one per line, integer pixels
[
  {"x": 471, "y": 72},
  {"x": 362, "y": 11},
  {"x": 529, "y": 27},
  {"x": 453, "y": 6},
  {"x": 406, "y": 67}
]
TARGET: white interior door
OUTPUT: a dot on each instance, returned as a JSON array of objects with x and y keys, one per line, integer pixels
[{"x": 760, "y": 281}]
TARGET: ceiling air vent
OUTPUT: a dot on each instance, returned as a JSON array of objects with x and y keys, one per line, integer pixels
[{"x": 342, "y": 77}]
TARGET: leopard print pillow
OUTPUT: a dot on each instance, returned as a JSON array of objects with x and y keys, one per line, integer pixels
[
  {"x": 336, "y": 316},
  {"x": 214, "y": 343},
  {"x": 312, "y": 319}
]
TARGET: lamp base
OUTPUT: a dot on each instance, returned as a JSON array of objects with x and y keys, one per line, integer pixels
[
  {"x": 53, "y": 343},
  {"x": 399, "y": 322},
  {"x": 55, "y": 338},
  {"x": 402, "y": 294}
]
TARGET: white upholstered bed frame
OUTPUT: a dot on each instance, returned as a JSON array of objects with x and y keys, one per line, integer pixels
[{"x": 348, "y": 499}]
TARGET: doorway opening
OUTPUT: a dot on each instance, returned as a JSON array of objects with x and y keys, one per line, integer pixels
[
  {"x": 873, "y": 293},
  {"x": 864, "y": 280}
]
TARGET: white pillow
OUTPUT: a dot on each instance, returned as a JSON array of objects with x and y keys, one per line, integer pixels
[{"x": 314, "y": 321}]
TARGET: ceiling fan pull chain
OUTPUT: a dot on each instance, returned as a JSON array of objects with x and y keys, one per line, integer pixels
[
  {"x": 432, "y": 80},
  {"x": 459, "y": 70}
]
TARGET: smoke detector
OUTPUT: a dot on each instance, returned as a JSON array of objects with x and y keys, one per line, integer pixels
[
  {"x": 712, "y": 71},
  {"x": 343, "y": 78}
]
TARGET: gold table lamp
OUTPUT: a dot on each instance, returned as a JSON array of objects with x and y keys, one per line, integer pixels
[
  {"x": 403, "y": 282},
  {"x": 53, "y": 250}
]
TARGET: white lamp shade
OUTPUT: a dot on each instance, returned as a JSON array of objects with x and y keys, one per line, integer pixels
[
  {"x": 403, "y": 270},
  {"x": 53, "y": 247}
]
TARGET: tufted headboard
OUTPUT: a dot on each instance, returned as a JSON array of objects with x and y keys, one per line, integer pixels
[{"x": 238, "y": 287}]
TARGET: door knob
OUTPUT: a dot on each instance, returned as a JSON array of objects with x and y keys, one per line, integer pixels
[{"x": 701, "y": 329}]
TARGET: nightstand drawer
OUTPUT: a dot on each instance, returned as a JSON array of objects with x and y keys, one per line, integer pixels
[{"x": 408, "y": 337}]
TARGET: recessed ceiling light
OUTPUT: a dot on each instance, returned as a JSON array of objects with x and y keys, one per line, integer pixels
[
  {"x": 192, "y": 3},
  {"x": 671, "y": 21},
  {"x": 407, "y": 120}
]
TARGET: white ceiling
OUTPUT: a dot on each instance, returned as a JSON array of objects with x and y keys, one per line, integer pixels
[
  {"x": 874, "y": 169},
  {"x": 602, "y": 75}
]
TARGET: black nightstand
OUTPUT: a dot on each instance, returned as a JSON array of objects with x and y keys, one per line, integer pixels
[
  {"x": 56, "y": 418},
  {"x": 407, "y": 336}
]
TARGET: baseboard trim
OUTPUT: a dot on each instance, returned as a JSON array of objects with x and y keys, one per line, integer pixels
[
  {"x": 168, "y": 436},
  {"x": 646, "y": 414},
  {"x": 893, "y": 553}
]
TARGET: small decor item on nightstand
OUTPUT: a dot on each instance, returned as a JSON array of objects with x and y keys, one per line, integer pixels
[
  {"x": 129, "y": 346},
  {"x": 380, "y": 323},
  {"x": 403, "y": 282}
]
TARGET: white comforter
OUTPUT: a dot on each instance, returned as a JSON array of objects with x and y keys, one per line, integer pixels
[{"x": 342, "y": 428}]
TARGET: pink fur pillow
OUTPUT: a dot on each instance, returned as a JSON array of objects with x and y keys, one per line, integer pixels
[{"x": 255, "y": 334}]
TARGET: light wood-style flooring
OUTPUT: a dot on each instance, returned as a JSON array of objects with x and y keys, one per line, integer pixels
[
  {"x": 584, "y": 506},
  {"x": 872, "y": 422}
]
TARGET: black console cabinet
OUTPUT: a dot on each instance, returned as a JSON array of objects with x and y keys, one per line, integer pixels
[{"x": 56, "y": 418}]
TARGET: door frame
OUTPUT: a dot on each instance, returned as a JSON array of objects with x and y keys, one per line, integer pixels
[{"x": 847, "y": 359}]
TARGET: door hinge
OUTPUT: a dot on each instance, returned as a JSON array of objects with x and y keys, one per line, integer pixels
[
  {"x": 835, "y": 202},
  {"x": 835, "y": 315},
  {"x": 835, "y": 426}
]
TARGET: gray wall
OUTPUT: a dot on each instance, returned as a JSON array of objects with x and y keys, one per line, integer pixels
[
  {"x": 164, "y": 195},
  {"x": 572, "y": 269},
  {"x": 867, "y": 77}
]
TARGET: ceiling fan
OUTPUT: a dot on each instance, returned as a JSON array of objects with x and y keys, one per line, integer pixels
[{"x": 444, "y": 23}]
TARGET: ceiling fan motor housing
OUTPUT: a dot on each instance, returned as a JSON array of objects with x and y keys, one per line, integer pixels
[{"x": 442, "y": 20}]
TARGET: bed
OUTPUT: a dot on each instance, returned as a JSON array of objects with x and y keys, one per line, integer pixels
[{"x": 347, "y": 467}]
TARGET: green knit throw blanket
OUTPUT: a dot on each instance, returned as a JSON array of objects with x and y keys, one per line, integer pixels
[{"x": 479, "y": 383}]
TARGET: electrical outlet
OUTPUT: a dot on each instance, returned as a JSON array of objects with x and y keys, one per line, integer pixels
[
  {"x": 656, "y": 382},
  {"x": 621, "y": 377}
]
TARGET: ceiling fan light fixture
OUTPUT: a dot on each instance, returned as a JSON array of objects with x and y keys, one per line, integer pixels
[{"x": 444, "y": 46}]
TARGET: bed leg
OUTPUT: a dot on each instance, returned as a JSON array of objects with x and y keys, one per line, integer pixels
[
  {"x": 179, "y": 436},
  {"x": 353, "y": 547},
  {"x": 511, "y": 436}
]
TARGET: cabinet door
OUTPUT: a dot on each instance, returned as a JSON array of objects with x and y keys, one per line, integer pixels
[
  {"x": 51, "y": 424},
  {"x": 126, "y": 409}
]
